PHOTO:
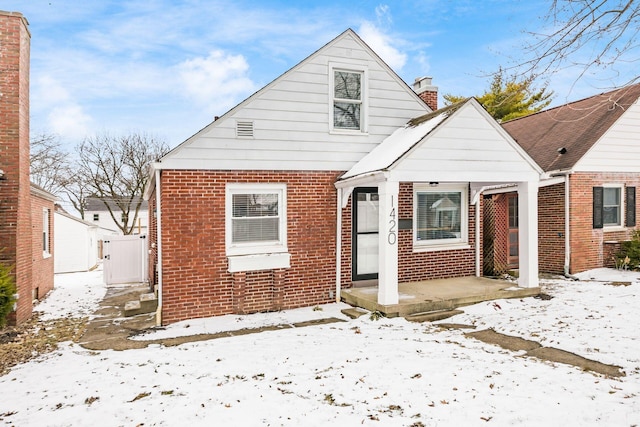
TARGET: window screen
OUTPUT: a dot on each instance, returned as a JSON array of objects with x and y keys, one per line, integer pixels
[
  {"x": 255, "y": 217},
  {"x": 439, "y": 215},
  {"x": 347, "y": 100},
  {"x": 611, "y": 206}
]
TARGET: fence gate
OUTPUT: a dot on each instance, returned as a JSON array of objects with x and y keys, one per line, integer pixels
[{"x": 125, "y": 259}]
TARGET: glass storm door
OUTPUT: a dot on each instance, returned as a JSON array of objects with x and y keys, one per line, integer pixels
[
  {"x": 512, "y": 249},
  {"x": 365, "y": 234}
]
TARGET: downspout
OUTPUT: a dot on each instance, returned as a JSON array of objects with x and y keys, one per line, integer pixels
[
  {"x": 478, "y": 237},
  {"x": 159, "y": 248},
  {"x": 338, "y": 242},
  {"x": 567, "y": 228}
]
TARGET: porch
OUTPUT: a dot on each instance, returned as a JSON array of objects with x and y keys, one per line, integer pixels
[{"x": 436, "y": 295}]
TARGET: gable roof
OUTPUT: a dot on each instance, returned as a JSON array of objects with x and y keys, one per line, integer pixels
[
  {"x": 394, "y": 147},
  {"x": 95, "y": 204},
  {"x": 461, "y": 142},
  {"x": 559, "y": 137},
  {"x": 207, "y": 148}
]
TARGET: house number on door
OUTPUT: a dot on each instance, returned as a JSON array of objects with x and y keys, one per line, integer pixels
[{"x": 392, "y": 235}]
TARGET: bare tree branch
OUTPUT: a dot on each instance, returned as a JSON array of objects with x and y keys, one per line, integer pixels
[
  {"x": 49, "y": 163},
  {"x": 593, "y": 35},
  {"x": 115, "y": 169}
]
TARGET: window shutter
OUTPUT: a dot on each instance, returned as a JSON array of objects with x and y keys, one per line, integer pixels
[
  {"x": 597, "y": 206},
  {"x": 630, "y": 214}
]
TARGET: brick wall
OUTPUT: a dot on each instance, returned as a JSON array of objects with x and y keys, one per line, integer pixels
[
  {"x": 42, "y": 276},
  {"x": 15, "y": 198},
  {"x": 196, "y": 282},
  {"x": 415, "y": 266},
  {"x": 587, "y": 248},
  {"x": 551, "y": 229}
]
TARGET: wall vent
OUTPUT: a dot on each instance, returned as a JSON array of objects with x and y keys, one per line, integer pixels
[{"x": 244, "y": 129}]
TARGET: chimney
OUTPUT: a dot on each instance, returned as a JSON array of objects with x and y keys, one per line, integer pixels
[
  {"x": 15, "y": 191},
  {"x": 426, "y": 91}
]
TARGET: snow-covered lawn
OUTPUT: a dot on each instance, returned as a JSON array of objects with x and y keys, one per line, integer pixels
[{"x": 386, "y": 372}]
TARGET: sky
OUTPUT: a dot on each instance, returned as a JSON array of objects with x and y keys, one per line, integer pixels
[
  {"x": 168, "y": 67},
  {"x": 384, "y": 372}
]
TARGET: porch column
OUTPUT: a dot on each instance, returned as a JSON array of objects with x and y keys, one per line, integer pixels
[
  {"x": 528, "y": 233},
  {"x": 388, "y": 243}
]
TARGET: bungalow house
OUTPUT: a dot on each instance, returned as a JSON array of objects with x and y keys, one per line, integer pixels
[
  {"x": 590, "y": 153},
  {"x": 334, "y": 175}
]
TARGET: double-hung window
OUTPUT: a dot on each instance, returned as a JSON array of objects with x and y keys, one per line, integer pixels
[
  {"x": 611, "y": 206},
  {"x": 348, "y": 99},
  {"x": 440, "y": 215},
  {"x": 46, "y": 244},
  {"x": 256, "y": 219}
]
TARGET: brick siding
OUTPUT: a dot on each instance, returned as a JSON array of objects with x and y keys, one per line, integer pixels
[
  {"x": 196, "y": 282},
  {"x": 587, "y": 243},
  {"x": 414, "y": 266},
  {"x": 42, "y": 277},
  {"x": 15, "y": 200}
]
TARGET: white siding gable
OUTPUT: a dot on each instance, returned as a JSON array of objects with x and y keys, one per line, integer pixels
[
  {"x": 467, "y": 146},
  {"x": 291, "y": 118},
  {"x": 618, "y": 150}
]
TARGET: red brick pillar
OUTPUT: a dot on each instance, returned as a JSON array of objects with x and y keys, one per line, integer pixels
[
  {"x": 15, "y": 191},
  {"x": 239, "y": 291},
  {"x": 278, "y": 288}
]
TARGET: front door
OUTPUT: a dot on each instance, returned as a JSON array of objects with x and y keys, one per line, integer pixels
[
  {"x": 512, "y": 245},
  {"x": 365, "y": 234}
]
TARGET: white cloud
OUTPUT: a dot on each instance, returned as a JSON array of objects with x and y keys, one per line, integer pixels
[
  {"x": 382, "y": 45},
  {"x": 217, "y": 80},
  {"x": 69, "y": 121}
]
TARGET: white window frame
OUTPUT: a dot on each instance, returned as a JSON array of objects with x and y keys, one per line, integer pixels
[
  {"x": 364, "y": 95},
  {"x": 46, "y": 235},
  {"x": 442, "y": 244},
  {"x": 621, "y": 207},
  {"x": 251, "y": 248},
  {"x": 96, "y": 217}
]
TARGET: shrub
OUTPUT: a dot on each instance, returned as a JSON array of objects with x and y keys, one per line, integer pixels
[
  {"x": 629, "y": 254},
  {"x": 7, "y": 293}
]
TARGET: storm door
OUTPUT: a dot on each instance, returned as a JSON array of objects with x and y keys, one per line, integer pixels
[{"x": 365, "y": 234}]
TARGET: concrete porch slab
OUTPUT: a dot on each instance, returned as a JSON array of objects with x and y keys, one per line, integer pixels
[{"x": 435, "y": 295}]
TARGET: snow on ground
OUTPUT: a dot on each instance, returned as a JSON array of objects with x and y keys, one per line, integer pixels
[
  {"x": 386, "y": 372},
  {"x": 74, "y": 294}
]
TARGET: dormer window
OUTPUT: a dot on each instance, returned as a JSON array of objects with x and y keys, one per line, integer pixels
[{"x": 348, "y": 90}]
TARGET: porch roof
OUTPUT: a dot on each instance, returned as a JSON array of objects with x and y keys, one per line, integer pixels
[{"x": 458, "y": 143}]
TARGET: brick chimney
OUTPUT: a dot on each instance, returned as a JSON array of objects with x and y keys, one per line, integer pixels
[
  {"x": 426, "y": 91},
  {"x": 15, "y": 191}
]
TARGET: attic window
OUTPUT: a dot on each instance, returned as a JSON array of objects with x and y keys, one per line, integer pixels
[{"x": 244, "y": 129}]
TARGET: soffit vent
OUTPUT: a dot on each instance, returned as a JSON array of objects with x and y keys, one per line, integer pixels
[{"x": 244, "y": 129}]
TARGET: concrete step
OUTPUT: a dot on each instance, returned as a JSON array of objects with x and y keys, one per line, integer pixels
[
  {"x": 432, "y": 316},
  {"x": 147, "y": 303}
]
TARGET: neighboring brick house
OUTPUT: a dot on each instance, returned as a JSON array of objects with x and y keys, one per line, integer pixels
[
  {"x": 590, "y": 152},
  {"x": 26, "y": 211},
  {"x": 256, "y": 211},
  {"x": 42, "y": 223}
]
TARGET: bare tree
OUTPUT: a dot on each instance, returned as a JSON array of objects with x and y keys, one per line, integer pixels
[
  {"x": 115, "y": 169},
  {"x": 49, "y": 163},
  {"x": 595, "y": 35}
]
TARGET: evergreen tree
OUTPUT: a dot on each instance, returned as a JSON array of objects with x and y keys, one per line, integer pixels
[{"x": 508, "y": 98}]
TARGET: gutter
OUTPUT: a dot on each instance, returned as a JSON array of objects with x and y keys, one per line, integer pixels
[
  {"x": 338, "y": 242},
  {"x": 158, "y": 246},
  {"x": 567, "y": 230}
]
